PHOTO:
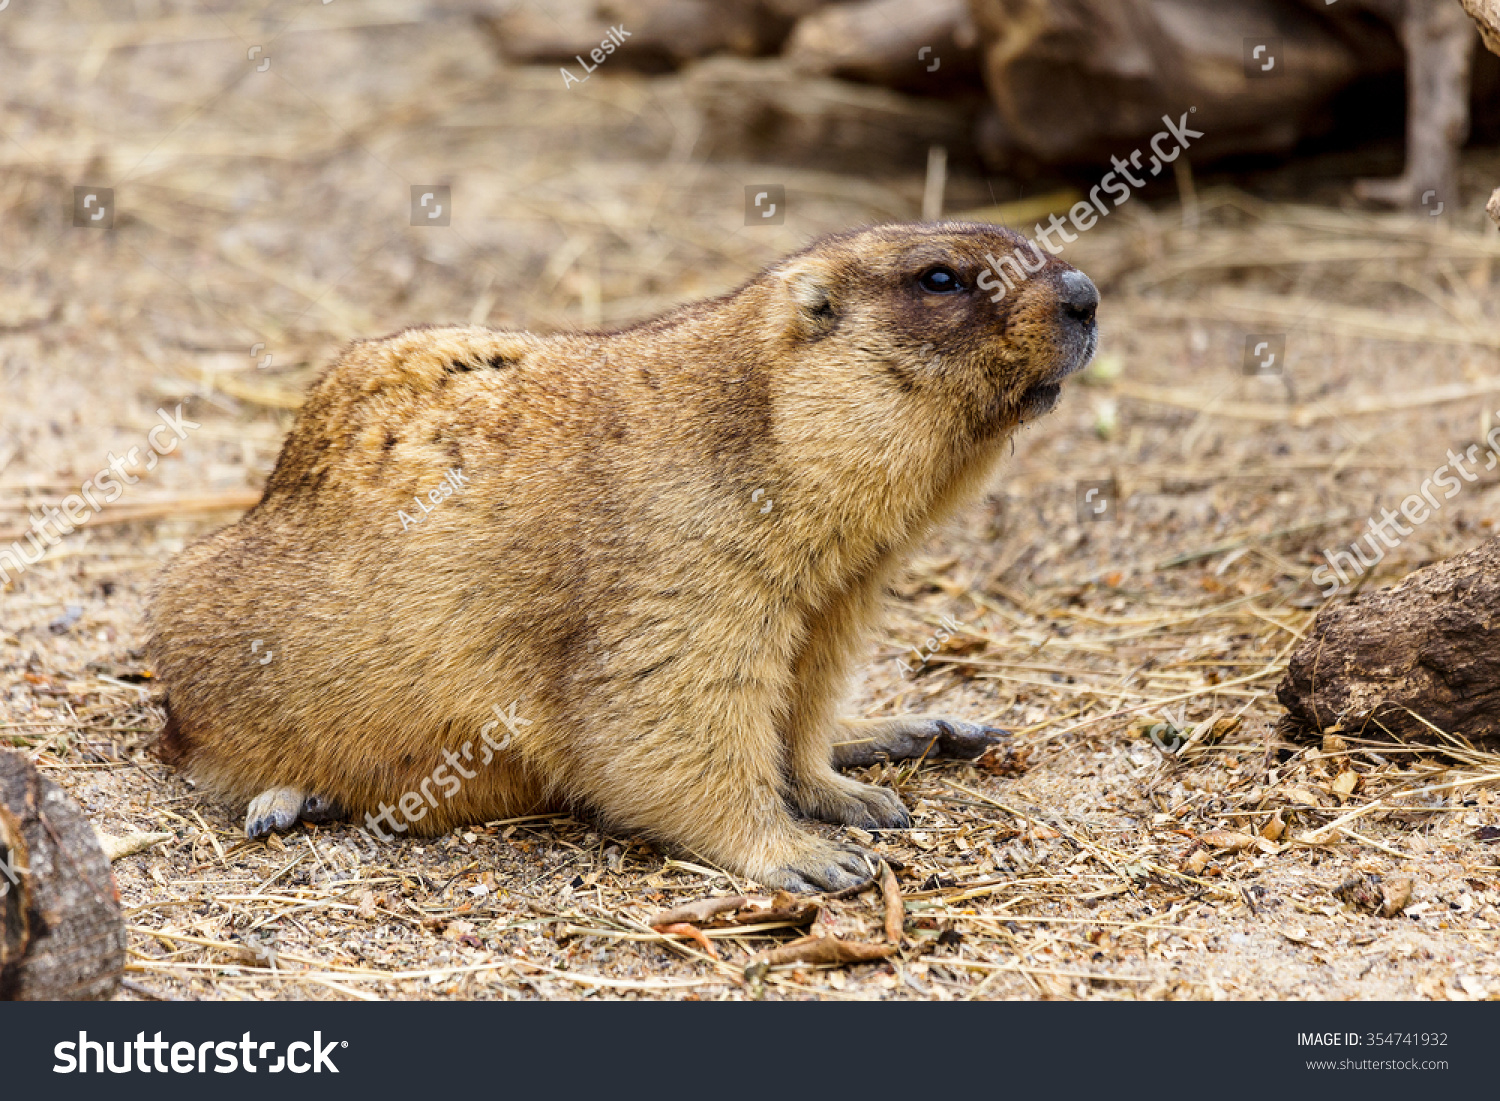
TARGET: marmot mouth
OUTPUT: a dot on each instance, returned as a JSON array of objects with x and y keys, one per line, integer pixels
[
  {"x": 1039, "y": 399},
  {"x": 1043, "y": 396}
]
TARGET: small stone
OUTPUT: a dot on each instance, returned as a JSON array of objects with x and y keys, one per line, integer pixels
[{"x": 1395, "y": 896}]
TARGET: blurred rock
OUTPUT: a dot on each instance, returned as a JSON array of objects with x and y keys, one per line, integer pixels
[
  {"x": 1069, "y": 82},
  {"x": 662, "y": 35},
  {"x": 1079, "y": 81},
  {"x": 769, "y": 111},
  {"x": 929, "y": 48},
  {"x": 1487, "y": 14}
]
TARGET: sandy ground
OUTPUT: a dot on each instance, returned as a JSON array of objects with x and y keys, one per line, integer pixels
[{"x": 267, "y": 213}]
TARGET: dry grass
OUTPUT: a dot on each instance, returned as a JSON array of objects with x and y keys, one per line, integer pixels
[{"x": 1091, "y": 860}]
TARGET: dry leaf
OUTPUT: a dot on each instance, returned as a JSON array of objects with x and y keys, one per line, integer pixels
[
  {"x": 1005, "y": 760},
  {"x": 463, "y": 933},
  {"x": 817, "y": 949},
  {"x": 1232, "y": 840},
  {"x": 696, "y": 912},
  {"x": 895, "y": 909},
  {"x": 1302, "y": 797},
  {"x": 1344, "y": 784},
  {"x": 722, "y": 913},
  {"x": 692, "y": 932},
  {"x": 116, "y": 847}
]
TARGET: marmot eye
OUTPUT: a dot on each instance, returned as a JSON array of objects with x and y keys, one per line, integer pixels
[{"x": 940, "y": 280}]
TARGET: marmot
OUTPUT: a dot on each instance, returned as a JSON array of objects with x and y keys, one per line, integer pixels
[{"x": 653, "y": 554}]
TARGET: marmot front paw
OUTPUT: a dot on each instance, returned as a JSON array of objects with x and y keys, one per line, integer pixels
[{"x": 823, "y": 866}]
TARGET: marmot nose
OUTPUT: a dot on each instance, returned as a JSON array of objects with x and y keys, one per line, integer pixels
[{"x": 1080, "y": 298}]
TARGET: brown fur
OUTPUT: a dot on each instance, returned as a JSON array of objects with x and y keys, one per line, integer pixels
[{"x": 678, "y": 650}]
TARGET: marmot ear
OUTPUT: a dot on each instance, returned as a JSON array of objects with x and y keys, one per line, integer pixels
[{"x": 809, "y": 285}]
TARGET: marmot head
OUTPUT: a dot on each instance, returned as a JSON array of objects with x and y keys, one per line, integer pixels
[{"x": 961, "y": 322}]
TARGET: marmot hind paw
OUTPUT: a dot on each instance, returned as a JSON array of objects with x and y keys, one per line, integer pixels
[{"x": 281, "y": 809}]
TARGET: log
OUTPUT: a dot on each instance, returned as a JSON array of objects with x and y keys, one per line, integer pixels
[
  {"x": 1420, "y": 650},
  {"x": 62, "y": 936}
]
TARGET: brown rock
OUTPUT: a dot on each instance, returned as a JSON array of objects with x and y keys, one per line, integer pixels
[{"x": 1395, "y": 896}]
